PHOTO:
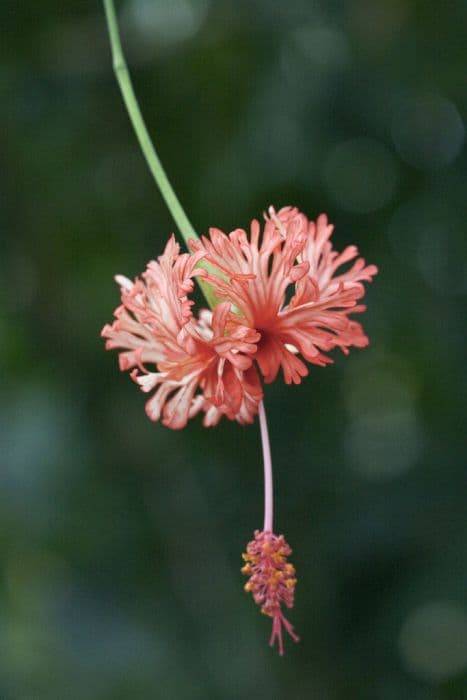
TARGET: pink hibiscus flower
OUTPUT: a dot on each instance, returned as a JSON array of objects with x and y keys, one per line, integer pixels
[
  {"x": 282, "y": 295},
  {"x": 286, "y": 284},
  {"x": 202, "y": 364}
]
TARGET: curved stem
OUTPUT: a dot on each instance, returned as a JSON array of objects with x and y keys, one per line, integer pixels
[
  {"x": 147, "y": 147},
  {"x": 134, "y": 112},
  {"x": 268, "y": 486}
]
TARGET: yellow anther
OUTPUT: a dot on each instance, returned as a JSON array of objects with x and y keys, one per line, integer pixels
[
  {"x": 290, "y": 583},
  {"x": 247, "y": 587}
]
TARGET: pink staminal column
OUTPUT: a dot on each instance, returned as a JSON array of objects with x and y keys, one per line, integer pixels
[{"x": 271, "y": 577}]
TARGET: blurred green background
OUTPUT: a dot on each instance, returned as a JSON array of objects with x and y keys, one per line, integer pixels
[{"x": 121, "y": 540}]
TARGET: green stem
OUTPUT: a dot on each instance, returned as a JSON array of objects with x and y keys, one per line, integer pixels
[{"x": 147, "y": 147}]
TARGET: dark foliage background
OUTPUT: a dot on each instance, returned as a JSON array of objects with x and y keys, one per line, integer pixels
[{"x": 120, "y": 540}]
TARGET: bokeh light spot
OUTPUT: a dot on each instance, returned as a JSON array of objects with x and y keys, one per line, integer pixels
[
  {"x": 370, "y": 387},
  {"x": 433, "y": 641},
  {"x": 166, "y": 21},
  {"x": 321, "y": 48},
  {"x": 428, "y": 131},
  {"x": 429, "y": 235},
  {"x": 385, "y": 444},
  {"x": 384, "y": 437}
]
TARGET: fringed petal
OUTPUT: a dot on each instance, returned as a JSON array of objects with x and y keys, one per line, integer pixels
[{"x": 287, "y": 285}]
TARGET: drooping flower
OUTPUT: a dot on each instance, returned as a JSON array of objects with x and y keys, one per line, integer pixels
[
  {"x": 271, "y": 580},
  {"x": 287, "y": 285},
  {"x": 282, "y": 293},
  {"x": 197, "y": 364},
  {"x": 280, "y": 298}
]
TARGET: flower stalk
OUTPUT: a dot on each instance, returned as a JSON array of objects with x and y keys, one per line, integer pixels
[
  {"x": 268, "y": 482},
  {"x": 152, "y": 159},
  {"x": 147, "y": 147}
]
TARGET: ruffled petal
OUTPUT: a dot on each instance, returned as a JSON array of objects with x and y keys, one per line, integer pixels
[
  {"x": 189, "y": 364},
  {"x": 287, "y": 283}
]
